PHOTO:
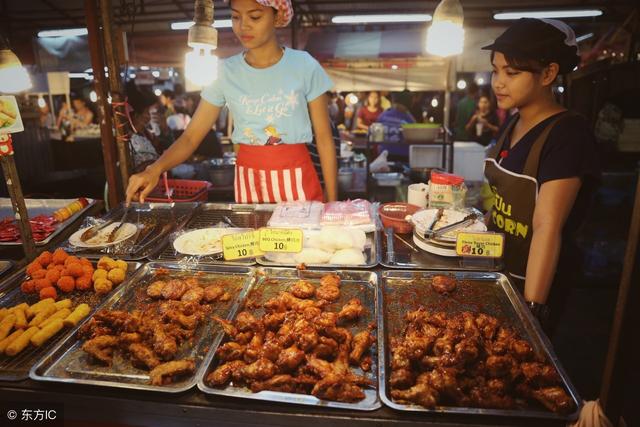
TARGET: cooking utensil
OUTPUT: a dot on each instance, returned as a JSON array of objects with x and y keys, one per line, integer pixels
[
  {"x": 413, "y": 248},
  {"x": 228, "y": 221},
  {"x": 468, "y": 220},
  {"x": 435, "y": 219},
  {"x": 92, "y": 232},
  {"x": 116, "y": 230}
]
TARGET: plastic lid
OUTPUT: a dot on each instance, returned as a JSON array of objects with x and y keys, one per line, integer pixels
[{"x": 446, "y": 178}]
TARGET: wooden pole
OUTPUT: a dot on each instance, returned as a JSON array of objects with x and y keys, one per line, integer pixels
[
  {"x": 17, "y": 200},
  {"x": 115, "y": 85},
  {"x": 623, "y": 334},
  {"x": 104, "y": 108}
]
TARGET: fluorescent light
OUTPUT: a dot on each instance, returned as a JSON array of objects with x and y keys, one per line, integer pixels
[
  {"x": 93, "y": 96},
  {"x": 434, "y": 102},
  {"x": 86, "y": 76},
  {"x": 584, "y": 37},
  {"x": 158, "y": 92},
  {"x": 132, "y": 75},
  {"x": 370, "y": 19},
  {"x": 577, "y": 13},
  {"x": 155, "y": 73},
  {"x": 185, "y": 25},
  {"x": 67, "y": 32},
  {"x": 144, "y": 67},
  {"x": 394, "y": 67}
]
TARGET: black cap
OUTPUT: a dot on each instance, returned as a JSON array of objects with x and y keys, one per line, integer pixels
[{"x": 544, "y": 40}]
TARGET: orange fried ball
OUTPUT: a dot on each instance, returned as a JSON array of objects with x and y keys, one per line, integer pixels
[
  {"x": 83, "y": 283},
  {"x": 85, "y": 261},
  {"x": 42, "y": 283},
  {"x": 39, "y": 274},
  {"x": 87, "y": 270},
  {"x": 49, "y": 292},
  {"x": 75, "y": 269},
  {"x": 71, "y": 260},
  {"x": 66, "y": 284},
  {"x": 53, "y": 275},
  {"x": 45, "y": 258},
  {"x": 34, "y": 266},
  {"x": 28, "y": 287},
  {"x": 59, "y": 256}
]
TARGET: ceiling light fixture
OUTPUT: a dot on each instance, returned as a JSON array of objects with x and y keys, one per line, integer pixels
[
  {"x": 201, "y": 65},
  {"x": 445, "y": 36},
  {"x": 65, "y": 32},
  {"x": 378, "y": 19},
  {"x": 540, "y": 14},
  {"x": 14, "y": 77},
  {"x": 185, "y": 25}
]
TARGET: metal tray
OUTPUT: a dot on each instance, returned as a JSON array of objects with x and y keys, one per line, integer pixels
[
  {"x": 402, "y": 291},
  {"x": 209, "y": 215},
  {"x": 362, "y": 284},
  {"x": 37, "y": 207},
  {"x": 372, "y": 254},
  {"x": 67, "y": 362},
  {"x": 175, "y": 214},
  {"x": 5, "y": 266},
  {"x": 17, "y": 368},
  {"x": 397, "y": 255}
]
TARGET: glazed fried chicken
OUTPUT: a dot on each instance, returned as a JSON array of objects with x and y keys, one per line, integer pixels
[
  {"x": 296, "y": 346},
  {"x": 212, "y": 293},
  {"x": 166, "y": 372},
  {"x": 469, "y": 359},
  {"x": 174, "y": 289},
  {"x": 328, "y": 293},
  {"x": 142, "y": 356},
  {"x": 444, "y": 284},
  {"x": 101, "y": 348}
]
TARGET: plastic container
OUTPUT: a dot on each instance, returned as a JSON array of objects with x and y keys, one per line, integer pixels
[
  {"x": 469, "y": 160},
  {"x": 393, "y": 215},
  {"x": 184, "y": 190},
  {"x": 420, "y": 132}
]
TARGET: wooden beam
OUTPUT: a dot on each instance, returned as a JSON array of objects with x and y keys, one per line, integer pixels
[{"x": 182, "y": 9}]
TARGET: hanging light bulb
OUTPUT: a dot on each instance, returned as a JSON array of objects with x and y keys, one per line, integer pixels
[
  {"x": 41, "y": 102},
  {"x": 434, "y": 102},
  {"x": 445, "y": 36},
  {"x": 352, "y": 99},
  {"x": 93, "y": 96},
  {"x": 13, "y": 76},
  {"x": 461, "y": 84},
  {"x": 201, "y": 65}
]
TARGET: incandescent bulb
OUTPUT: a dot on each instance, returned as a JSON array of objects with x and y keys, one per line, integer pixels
[{"x": 201, "y": 66}]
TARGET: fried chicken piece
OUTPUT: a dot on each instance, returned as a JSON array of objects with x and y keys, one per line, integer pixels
[
  {"x": 417, "y": 345},
  {"x": 244, "y": 338},
  {"x": 275, "y": 305},
  {"x": 352, "y": 310},
  {"x": 497, "y": 386},
  {"x": 444, "y": 381},
  {"x": 223, "y": 373},
  {"x": 192, "y": 283},
  {"x": 193, "y": 294},
  {"x": 271, "y": 350},
  {"x": 127, "y": 338},
  {"x": 399, "y": 357},
  {"x": 154, "y": 290},
  {"x": 225, "y": 297},
  {"x": 342, "y": 335},
  {"x": 422, "y": 393},
  {"x": 227, "y": 327},
  {"x": 254, "y": 348},
  {"x": 188, "y": 322},
  {"x": 539, "y": 375},
  {"x": 142, "y": 356},
  {"x": 328, "y": 293},
  {"x": 335, "y": 388},
  {"x": 401, "y": 379},
  {"x": 117, "y": 320},
  {"x": 466, "y": 351},
  {"x": 488, "y": 325},
  {"x": 327, "y": 319},
  {"x": 273, "y": 321},
  {"x": 521, "y": 350},
  {"x": 174, "y": 289},
  {"x": 366, "y": 363},
  {"x": 282, "y": 383},
  {"x": 305, "y": 335},
  {"x": 443, "y": 284},
  {"x": 498, "y": 366},
  {"x": 164, "y": 345},
  {"x": 311, "y": 313},
  {"x": 483, "y": 397},
  {"x": 260, "y": 370},
  {"x": 330, "y": 280},
  {"x": 303, "y": 289},
  {"x": 245, "y": 321},
  {"x": 101, "y": 348},
  {"x": 326, "y": 348},
  {"x": 290, "y": 358},
  {"x": 230, "y": 351},
  {"x": 166, "y": 372},
  {"x": 212, "y": 293},
  {"x": 361, "y": 343},
  {"x": 554, "y": 399}
]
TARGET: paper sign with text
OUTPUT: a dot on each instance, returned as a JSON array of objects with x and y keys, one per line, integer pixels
[
  {"x": 241, "y": 245},
  {"x": 10, "y": 120},
  {"x": 485, "y": 245},
  {"x": 281, "y": 240}
]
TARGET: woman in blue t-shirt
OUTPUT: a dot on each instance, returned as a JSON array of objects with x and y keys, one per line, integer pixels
[{"x": 277, "y": 98}]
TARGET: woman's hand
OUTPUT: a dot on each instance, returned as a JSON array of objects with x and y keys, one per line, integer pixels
[{"x": 141, "y": 184}]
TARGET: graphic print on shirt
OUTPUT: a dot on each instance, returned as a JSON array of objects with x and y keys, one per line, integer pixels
[
  {"x": 501, "y": 217},
  {"x": 269, "y": 107}
]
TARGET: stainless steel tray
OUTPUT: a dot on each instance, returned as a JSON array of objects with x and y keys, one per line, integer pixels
[
  {"x": 372, "y": 254},
  {"x": 37, "y": 207},
  {"x": 397, "y": 255},
  {"x": 17, "y": 368},
  {"x": 209, "y": 215},
  {"x": 5, "y": 266},
  {"x": 362, "y": 284},
  {"x": 174, "y": 215},
  {"x": 67, "y": 362},
  {"x": 491, "y": 293}
]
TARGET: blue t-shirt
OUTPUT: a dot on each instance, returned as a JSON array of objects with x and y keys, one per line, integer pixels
[
  {"x": 269, "y": 105},
  {"x": 393, "y": 119}
]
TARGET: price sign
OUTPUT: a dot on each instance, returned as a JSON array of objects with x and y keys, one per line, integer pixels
[
  {"x": 241, "y": 245},
  {"x": 281, "y": 240},
  {"x": 485, "y": 245}
]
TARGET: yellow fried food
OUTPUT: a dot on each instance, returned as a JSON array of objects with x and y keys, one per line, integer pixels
[
  {"x": 60, "y": 314},
  {"x": 35, "y": 308},
  {"x": 43, "y": 314},
  {"x": 4, "y": 312},
  {"x": 6, "y": 325},
  {"x": 100, "y": 274},
  {"x": 102, "y": 286},
  {"x": 116, "y": 276},
  {"x": 77, "y": 315},
  {"x": 21, "y": 342},
  {"x": 122, "y": 265},
  {"x": 21, "y": 319},
  {"x": 23, "y": 306},
  {"x": 47, "y": 332},
  {"x": 64, "y": 303},
  {"x": 106, "y": 263},
  {"x": 8, "y": 340}
]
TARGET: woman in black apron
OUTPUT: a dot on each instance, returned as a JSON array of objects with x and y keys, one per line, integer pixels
[{"x": 543, "y": 166}]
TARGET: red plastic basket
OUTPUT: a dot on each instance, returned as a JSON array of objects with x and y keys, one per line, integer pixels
[
  {"x": 393, "y": 214},
  {"x": 184, "y": 190}
]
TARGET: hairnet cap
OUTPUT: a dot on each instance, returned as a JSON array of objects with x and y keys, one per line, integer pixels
[
  {"x": 545, "y": 40},
  {"x": 284, "y": 8}
]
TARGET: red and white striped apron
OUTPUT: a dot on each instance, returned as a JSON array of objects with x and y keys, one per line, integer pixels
[{"x": 275, "y": 173}]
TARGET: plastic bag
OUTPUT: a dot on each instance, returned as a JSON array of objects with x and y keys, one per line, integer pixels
[
  {"x": 297, "y": 215},
  {"x": 447, "y": 191},
  {"x": 350, "y": 212},
  {"x": 380, "y": 163}
]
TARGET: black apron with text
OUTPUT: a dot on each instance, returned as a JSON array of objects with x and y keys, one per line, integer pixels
[{"x": 515, "y": 199}]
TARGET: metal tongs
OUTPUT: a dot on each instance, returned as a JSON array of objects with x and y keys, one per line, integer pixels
[
  {"x": 114, "y": 233},
  {"x": 466, "y": 221},
  {"x": 93, "y": 231}
]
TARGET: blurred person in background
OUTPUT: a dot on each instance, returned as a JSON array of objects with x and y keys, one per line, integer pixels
[
  {"x": 370, "y": 111},
  {"x": 465, "y": 108},
  {"x": 484, "y": 124}
]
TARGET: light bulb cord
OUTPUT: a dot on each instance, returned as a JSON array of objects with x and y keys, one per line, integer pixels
[{"x": 203, "y": 12}]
